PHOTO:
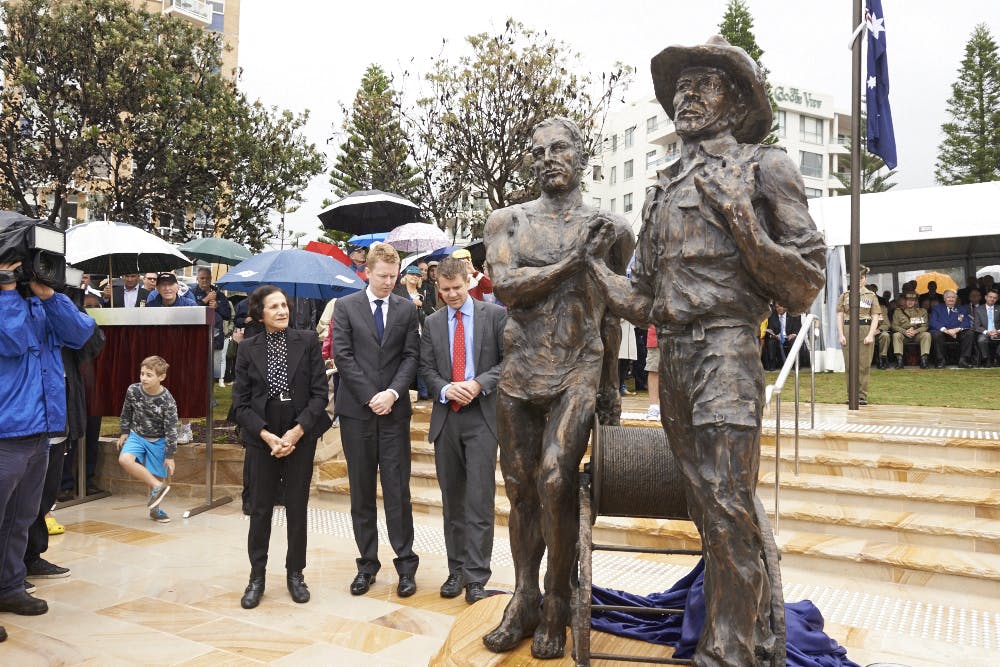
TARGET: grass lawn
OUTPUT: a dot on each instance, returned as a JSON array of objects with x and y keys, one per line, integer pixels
[{"x": 946, "y": 388}]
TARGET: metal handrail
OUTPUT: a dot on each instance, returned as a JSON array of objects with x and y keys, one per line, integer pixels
[{"x": 810, "y": 323}]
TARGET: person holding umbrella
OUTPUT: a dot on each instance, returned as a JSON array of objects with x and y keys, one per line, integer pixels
[
  {"x": 358, "y": 262},
  {"x": 279, "y": 402}
]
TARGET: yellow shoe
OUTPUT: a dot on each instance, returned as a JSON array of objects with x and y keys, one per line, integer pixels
[{"x": 55, "y": 528}]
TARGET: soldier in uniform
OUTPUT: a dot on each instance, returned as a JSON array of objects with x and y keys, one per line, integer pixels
[
  {"x": 869, "y": 314},
  {"x": 726, "y": 229},
  {"x": 910, "y": 323},
  {"x": 882, "y": 339}
]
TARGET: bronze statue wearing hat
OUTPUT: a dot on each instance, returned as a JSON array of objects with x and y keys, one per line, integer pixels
[{"x": 725, "y": 231}]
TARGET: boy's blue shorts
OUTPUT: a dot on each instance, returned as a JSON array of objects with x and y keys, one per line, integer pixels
[{"x": 149, "y": 453}]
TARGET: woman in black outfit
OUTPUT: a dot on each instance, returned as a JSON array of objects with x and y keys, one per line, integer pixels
[{"x": 279, "y": 402}]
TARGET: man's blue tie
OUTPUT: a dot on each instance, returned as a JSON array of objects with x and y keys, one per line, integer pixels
[{"x": 379, "y": 320}]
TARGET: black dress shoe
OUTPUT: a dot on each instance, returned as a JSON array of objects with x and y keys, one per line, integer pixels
[
  {"x": 964, "y": 363},
  {"x": 940, "y": 363},
  {"x": 407, "y": 586},
  {"x": 474, "y": 592},
  {"x": 362, "y": 583},
  {"x": 297, "y": 587},
  {"x": 253, "y": 593},
  {"x": 899, "y": 362},
  {"x": 923, "y": 361},
  {"x": 23, "y": 604},
  {"x": 452, "y": 586}
]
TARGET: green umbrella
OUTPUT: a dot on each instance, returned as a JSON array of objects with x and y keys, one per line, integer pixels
[{"x": 214, "y": 249}]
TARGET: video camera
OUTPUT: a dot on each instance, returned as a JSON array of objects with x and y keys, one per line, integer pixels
[{"x": 41, "y": 249}]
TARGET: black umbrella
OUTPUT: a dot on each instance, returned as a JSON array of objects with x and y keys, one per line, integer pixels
[{"x": 369, "y": 212}]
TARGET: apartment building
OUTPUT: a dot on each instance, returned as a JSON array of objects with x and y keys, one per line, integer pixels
[{"x": 639, "y": 140}]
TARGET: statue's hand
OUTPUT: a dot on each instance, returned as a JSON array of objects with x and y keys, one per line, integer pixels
[
  {"x": 727, "y": 184},
  {"x": 601, "y": 236}
]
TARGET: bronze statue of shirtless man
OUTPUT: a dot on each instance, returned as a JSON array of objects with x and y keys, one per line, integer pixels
[{"x": 539, "y": 255}]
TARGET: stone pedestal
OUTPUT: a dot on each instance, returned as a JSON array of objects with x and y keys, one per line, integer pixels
[{"x": 464, "y": 645}]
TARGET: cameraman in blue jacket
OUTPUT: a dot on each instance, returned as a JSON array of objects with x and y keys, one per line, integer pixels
[{"x": 35, "y": 322}]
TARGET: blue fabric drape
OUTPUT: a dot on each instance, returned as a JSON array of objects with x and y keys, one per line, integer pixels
[{"x": 808, "y": 645}]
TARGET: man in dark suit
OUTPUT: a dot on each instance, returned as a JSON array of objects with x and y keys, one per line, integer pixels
[
  {"x": 985, "y": 324},
  {"x": 376, "y": 347},
  {"x": 460, "y": 353},
  {"x": 129, "y": 295},
  {"x": 782, "y": 330},
  {"x": 950, "y": 321}
]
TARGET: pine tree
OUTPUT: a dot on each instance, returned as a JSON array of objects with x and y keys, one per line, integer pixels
[
  {"x": 970, "y": 152},
  {"x": 374, "y": 156},
  {"x": 737, "y": 28}
]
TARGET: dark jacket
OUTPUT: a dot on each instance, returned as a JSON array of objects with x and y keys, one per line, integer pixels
[
  {"x": 306, "y": 381},
  {"x": 435, "y": 361},
  {"x": 118, "y": 297},
  {"x": 223, "y": 311},
  {"x": 76, "y": 389},
  {"x": 367, "y": 367}
]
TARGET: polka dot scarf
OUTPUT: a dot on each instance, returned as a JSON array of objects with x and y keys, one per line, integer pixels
[{"x": 277, "y": 363}]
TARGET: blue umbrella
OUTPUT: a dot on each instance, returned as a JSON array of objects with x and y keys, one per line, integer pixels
[
  {"x": 365, "y": 240},
  {"x": 299, "y": 272}
]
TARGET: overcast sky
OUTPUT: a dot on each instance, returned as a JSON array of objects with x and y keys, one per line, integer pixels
[{"x": 311, "y": 54}]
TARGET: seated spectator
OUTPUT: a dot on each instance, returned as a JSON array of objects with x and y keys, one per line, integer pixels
[
  {"x": 975, "y": 299},
  {"x": 149, "y": 282},
  {"x": 127, "y": 295},
  {"x": 781, "y": 331},
  {"x": 910, "y": 323},
  {"x": 882, "y": 340},
  {"x": 931, "y": 292},
  {"x": 985, "y": 324},
  {"x": 950, "y": 321},
  {"x": 986, "y": 283},
  {"x": 168, "y": 293},
  {"x": 209, "y": 295},
  {"x": 963, "y": 294}
]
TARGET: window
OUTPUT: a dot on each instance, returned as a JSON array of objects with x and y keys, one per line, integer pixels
[
  {"x": 597, "y": 173},
  {"x": 811, "y": 129},
  {"x": 782, "y": 123},
  {"x": 812, "y": 193},
  {"x": 614, "y": 142},
  {"x": 596, "y": 201},
  {"x": 218, "y": 16},
  {"x": 627, "y": 203},
  {"x": 614, "y": 175},
  {"x": 651, "y": 124},
  {"x": 630, "y": 137},
  {"x": 650, "y": 159},
  {"x": 628, "y": 169},
  {"x": 811, "y": 164},
  {"x": 612, "y": 209}
]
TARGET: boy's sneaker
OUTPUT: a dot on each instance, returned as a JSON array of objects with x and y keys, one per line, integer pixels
[
  {"x": 156, "y": 495},
  {"x": 158, "y": 515},
  {"x": 184, "y": 434},
  {"x": 653, "y": 412},
  {"x": 43, "y": 569}
]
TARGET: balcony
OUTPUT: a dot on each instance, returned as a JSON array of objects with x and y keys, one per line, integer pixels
[
  {"x": 192, "y": 10},
  {"x": 663, "y": 135}
]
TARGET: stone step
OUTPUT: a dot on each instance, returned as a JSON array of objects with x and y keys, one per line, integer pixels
[
  {"x": 964, "y": 450},
  {"x": 897, "y": 468},
  {"x": 948, "y": 569},
  {"x": 899, "y": 527},
  {"x": 959, "y": 502}
]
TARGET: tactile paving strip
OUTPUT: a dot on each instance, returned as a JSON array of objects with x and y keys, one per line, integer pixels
[
  {"x": 945, "y": 623},
  {"x": 840, "y": 427}
]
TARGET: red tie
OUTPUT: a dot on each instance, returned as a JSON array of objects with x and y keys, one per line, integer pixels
[{"x": 458, "y": 356}]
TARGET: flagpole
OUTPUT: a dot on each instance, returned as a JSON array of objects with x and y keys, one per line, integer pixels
[{"x": 854, "y": 294}]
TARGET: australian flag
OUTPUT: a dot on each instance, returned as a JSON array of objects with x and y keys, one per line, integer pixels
[{"x": 881, "y": 137}]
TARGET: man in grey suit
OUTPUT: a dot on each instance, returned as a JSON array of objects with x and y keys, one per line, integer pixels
[
  {"x": 376, "y": 347},
  {"x": 986, "y": 325},
  {"x": 460, "y": 353}
]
